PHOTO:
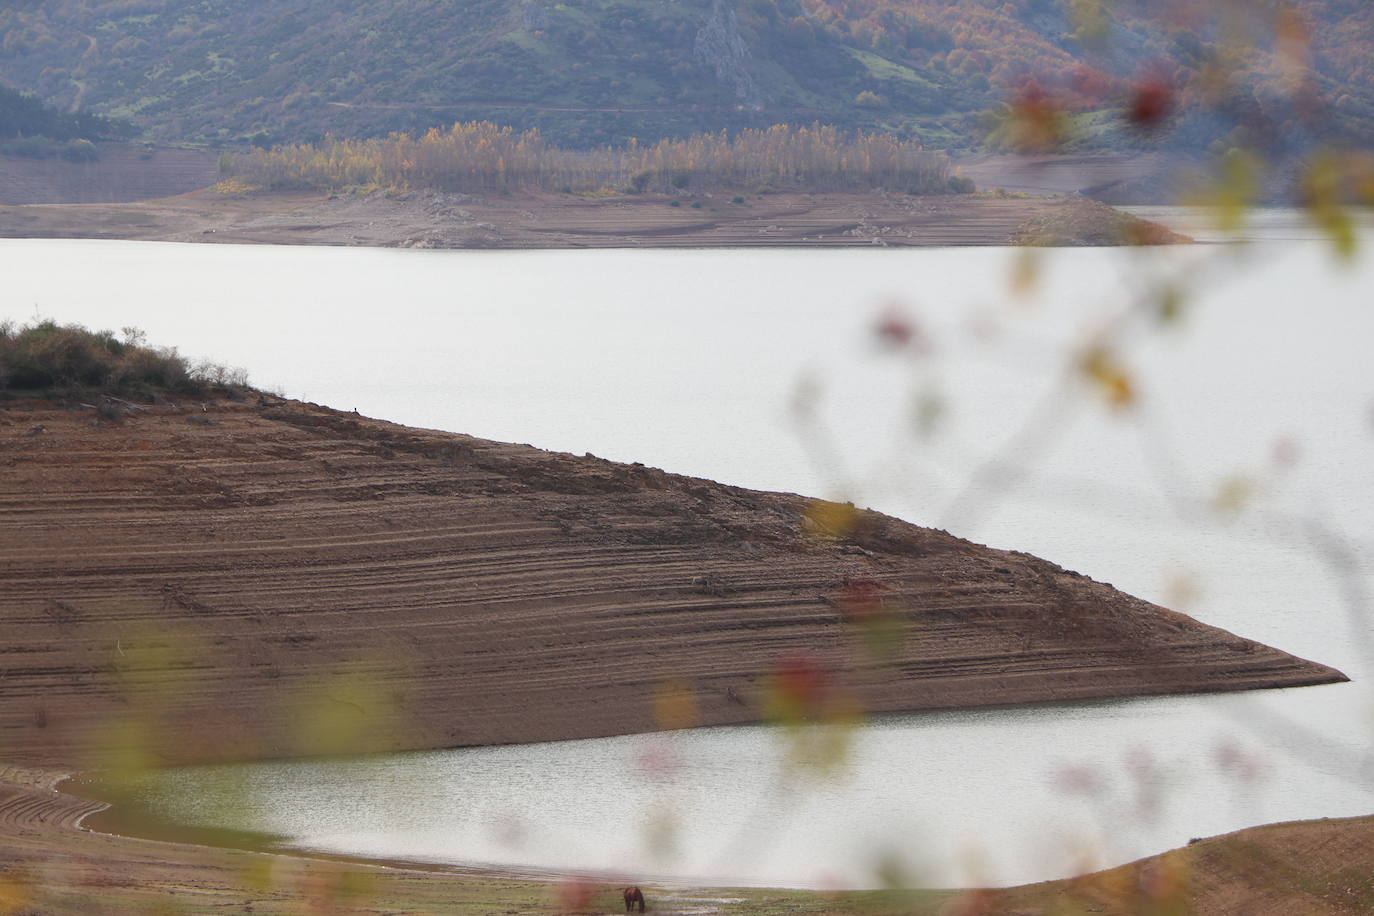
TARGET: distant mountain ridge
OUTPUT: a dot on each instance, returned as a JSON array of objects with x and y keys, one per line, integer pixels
[{"x": 588, "y": 72}]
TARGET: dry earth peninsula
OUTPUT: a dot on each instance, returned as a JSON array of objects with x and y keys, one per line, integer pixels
[{"x": 208, "y": 575}]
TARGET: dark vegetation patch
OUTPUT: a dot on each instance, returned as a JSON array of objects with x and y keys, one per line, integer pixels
[
  {"x": 47, "y": 358},
  {"x": 24, "y": 115},
  {"x": 31, "y": 130},
  {"x": 482, "y": 157},
  {"x": 1080, "y": 221}
]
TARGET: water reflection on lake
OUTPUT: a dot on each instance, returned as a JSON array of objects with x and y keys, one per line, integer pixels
[
  {"x": 689, "y": 360},
  {"x": 955, "y": 797}
]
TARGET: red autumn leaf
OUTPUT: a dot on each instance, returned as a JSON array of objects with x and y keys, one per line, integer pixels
[
  {"x": 897, "y": 329},
  {"x": 861, "y": 599},
  {"x": 1038, "y": 119},
  {"x": 1152, "y": 99},
  {"x": 894, "y": 328},
  {"x": 575, "y": 895},
  {"x": 801, "y": 680}
]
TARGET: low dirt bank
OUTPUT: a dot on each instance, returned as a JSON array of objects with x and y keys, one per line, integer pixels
[
  {"x": 430, "y": 220},
  {"x": 1317, "y": 868},
  {"x": 49, "y": 865}
]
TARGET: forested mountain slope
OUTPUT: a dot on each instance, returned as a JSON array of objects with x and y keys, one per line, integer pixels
[
  {"x": 23, "y": 115},
  {"x": 597, "y": 71}
]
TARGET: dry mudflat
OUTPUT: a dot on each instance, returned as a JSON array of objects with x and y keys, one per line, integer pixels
[
  {"x": 163, "y": 194},
  {"x": 238, "y": 577},
  {"x": 534, "y": 220}
]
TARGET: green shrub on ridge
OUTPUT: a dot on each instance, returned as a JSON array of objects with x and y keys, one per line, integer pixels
[{"x": 47, "y": 357}]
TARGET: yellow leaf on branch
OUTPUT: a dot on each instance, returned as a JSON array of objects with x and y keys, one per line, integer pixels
[{"x": 1110, "y": 378}]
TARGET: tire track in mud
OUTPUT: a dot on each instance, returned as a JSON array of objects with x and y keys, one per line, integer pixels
[{"x": 216, "y": 579}]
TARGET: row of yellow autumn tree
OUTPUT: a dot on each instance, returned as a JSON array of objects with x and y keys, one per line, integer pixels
[{"x": 481, "y": 156}]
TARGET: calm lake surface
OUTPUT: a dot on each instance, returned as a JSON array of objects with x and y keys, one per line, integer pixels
[{"x": 1260, "y": 396}]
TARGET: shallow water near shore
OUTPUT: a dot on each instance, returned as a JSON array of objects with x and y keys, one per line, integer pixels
[
  {"x": 971, "y": 797},
  {"x": 694, "y": 361}
]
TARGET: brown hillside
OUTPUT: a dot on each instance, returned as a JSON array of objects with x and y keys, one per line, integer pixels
[{"x": 253, "y": 578}]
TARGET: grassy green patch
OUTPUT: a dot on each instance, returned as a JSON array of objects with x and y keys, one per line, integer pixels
[{"x": 881, "y": 68}]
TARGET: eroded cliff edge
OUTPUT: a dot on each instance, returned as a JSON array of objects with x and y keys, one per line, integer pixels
[{"x": 223, "y": 579}]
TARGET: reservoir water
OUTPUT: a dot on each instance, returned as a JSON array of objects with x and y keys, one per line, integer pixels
[{"x": 1238, "y": 487}]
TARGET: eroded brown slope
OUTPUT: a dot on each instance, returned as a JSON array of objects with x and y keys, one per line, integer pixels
[{"x": 242, "y": 579}]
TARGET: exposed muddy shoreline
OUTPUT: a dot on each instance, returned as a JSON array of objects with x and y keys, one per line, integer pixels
[
  {"x": 155, "y": 194},
  {"x": 52, "y": 864},
  {"x": 417, "y": 219}
]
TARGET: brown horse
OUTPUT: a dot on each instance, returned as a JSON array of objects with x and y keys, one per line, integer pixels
[{"x": 634, "y": 895}]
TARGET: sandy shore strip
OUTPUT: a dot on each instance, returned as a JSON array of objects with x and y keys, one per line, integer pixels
[{"x": 547, "y": 220}]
